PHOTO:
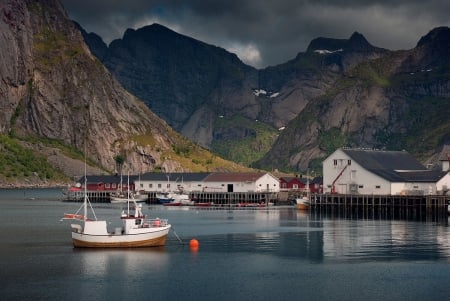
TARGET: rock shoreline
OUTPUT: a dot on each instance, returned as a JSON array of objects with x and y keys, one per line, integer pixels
[{"x": 18, "y": 185}]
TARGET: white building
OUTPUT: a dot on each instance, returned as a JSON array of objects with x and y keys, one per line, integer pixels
[
  {"x": 209, "y": 182},
  {"x": 367, "y": 171},
  {"x": 169, "y": 182},
  {"x": 241, "y": 182}
]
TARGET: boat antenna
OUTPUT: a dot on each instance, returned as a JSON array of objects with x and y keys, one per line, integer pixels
[
  {"x": 85, "y": 183},
  {"x": 128, "y": 193}
]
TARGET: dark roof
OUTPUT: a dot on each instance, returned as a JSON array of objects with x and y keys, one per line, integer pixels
[
  {"x": 290, "y": 179},
  {"x": 394, "y": 166},
  {"x": 105, "y": 179},
  {"x": 175, "y": 176},
  {"x": 422, "y": 176},
  {"x": 317, "y": 180},
  {"x": 234, "y": 176}
]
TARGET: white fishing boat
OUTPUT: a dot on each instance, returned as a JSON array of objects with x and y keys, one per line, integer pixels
[
  {"x": 179, "y": 199},
  {"x": 164, "y": 197},
  {"x": 123, "y": 198},
  {"x": 136, "y": 229},
  {"x": 304, "y": 202}
]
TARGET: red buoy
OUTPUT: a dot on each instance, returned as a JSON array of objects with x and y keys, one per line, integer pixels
[{"x": 193, "y": 244}]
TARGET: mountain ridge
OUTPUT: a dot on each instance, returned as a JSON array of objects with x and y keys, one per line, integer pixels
[
  {"x": 337, "y": 70},
  {"x": 62, "y": 101}
]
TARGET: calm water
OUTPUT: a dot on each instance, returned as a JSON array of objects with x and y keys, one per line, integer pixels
[{"x": 266, "y": 254}]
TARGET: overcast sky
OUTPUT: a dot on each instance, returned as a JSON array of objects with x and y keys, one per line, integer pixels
[{"x": 266, "y": 33}]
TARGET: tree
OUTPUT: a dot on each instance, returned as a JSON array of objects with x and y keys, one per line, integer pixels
[{"x": 120, "y": 160}]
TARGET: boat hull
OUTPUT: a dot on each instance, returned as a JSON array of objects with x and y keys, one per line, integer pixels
[
  {"x": 302, "y": 204},
  {"x": 155, "y": 238}
]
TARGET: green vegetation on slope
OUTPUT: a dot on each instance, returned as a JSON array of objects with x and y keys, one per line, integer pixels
[
  {"x": 17, "y": 161},
  {"x": 427, "y": 126},
  {"x": 248, "y": 149}
]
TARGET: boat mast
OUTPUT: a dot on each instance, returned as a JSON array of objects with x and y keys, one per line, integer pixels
[
  {"x": 85, "y": 186},
  {"x": 128, "y": 193}
]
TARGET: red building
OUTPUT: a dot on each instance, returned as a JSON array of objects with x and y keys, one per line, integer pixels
[
  {"x": 296, "y": 183},
  {"x": 107, "y": 183}
]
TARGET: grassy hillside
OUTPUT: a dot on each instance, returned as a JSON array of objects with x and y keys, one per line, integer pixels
[
  {"x": 19, "y": 162},
  {"x": 248, "y": 149}
]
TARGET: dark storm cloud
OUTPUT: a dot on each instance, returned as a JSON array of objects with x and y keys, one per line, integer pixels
[{"x": 269, "y": 33}]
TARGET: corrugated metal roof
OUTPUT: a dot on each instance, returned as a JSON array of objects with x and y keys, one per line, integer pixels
[
  {"x": 175, "y": 176},
  {"x": 234, "y": 176},
  {"x": 106, "y": 179},
  {"x": 422, "y": 176},
  {"x": 394, "y": 166}
]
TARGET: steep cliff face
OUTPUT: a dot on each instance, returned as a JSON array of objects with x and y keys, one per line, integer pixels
[
  {"x": 54, "y": 88},
  {"x": 399, "y": 100},
  {"x": 178, "y": 77},
  {"x": 339, "y": 92},
  {"x": 201, "y": 90}
]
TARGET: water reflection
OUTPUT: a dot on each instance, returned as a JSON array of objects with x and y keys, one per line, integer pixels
[{"x": 99, "y": 262}]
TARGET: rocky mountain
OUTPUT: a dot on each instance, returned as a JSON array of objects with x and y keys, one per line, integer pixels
[
  {"x": 340, "y": 92},
  {"x": 59, "y": 101},
  {"x": 211, "y": 97},
  {"x": 398, "y": 100}
]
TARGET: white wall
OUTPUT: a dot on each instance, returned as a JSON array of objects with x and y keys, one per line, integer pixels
[
  {"x": 267, "y": 182},
  {"x": 443, "y": 184},
  {"x": 353, "y": 177}
]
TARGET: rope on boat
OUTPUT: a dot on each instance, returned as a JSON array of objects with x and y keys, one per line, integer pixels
[{"x": 176, "y": 235}]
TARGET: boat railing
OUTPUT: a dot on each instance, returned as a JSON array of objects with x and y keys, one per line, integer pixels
[{"x": 156, "y": 222}]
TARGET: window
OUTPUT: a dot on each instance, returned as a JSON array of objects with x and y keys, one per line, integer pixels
[
  {"x": 113, "y": 185},
  {"x": 150, "y": 185},
  {"x": 295, "y": 186},
  {"x": 159, "y": 185},
  {"x": 168, "y": 185},
  {"x": 335, "y": 162},
  {"x": 349, "y": 162},
  {"x": 377, "y": 186},
  {"x": 361, "y": 186},
  {"x": 107, "y": 185}
]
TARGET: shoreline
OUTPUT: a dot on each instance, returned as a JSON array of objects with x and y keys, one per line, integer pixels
[{"x": 33, "y": 186}]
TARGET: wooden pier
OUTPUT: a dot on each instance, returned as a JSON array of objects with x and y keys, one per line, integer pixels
[
  {"x": 228, "y": 198},
  {"x": 94, "y": 196},
  {"x": 407, "y": 206}
]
